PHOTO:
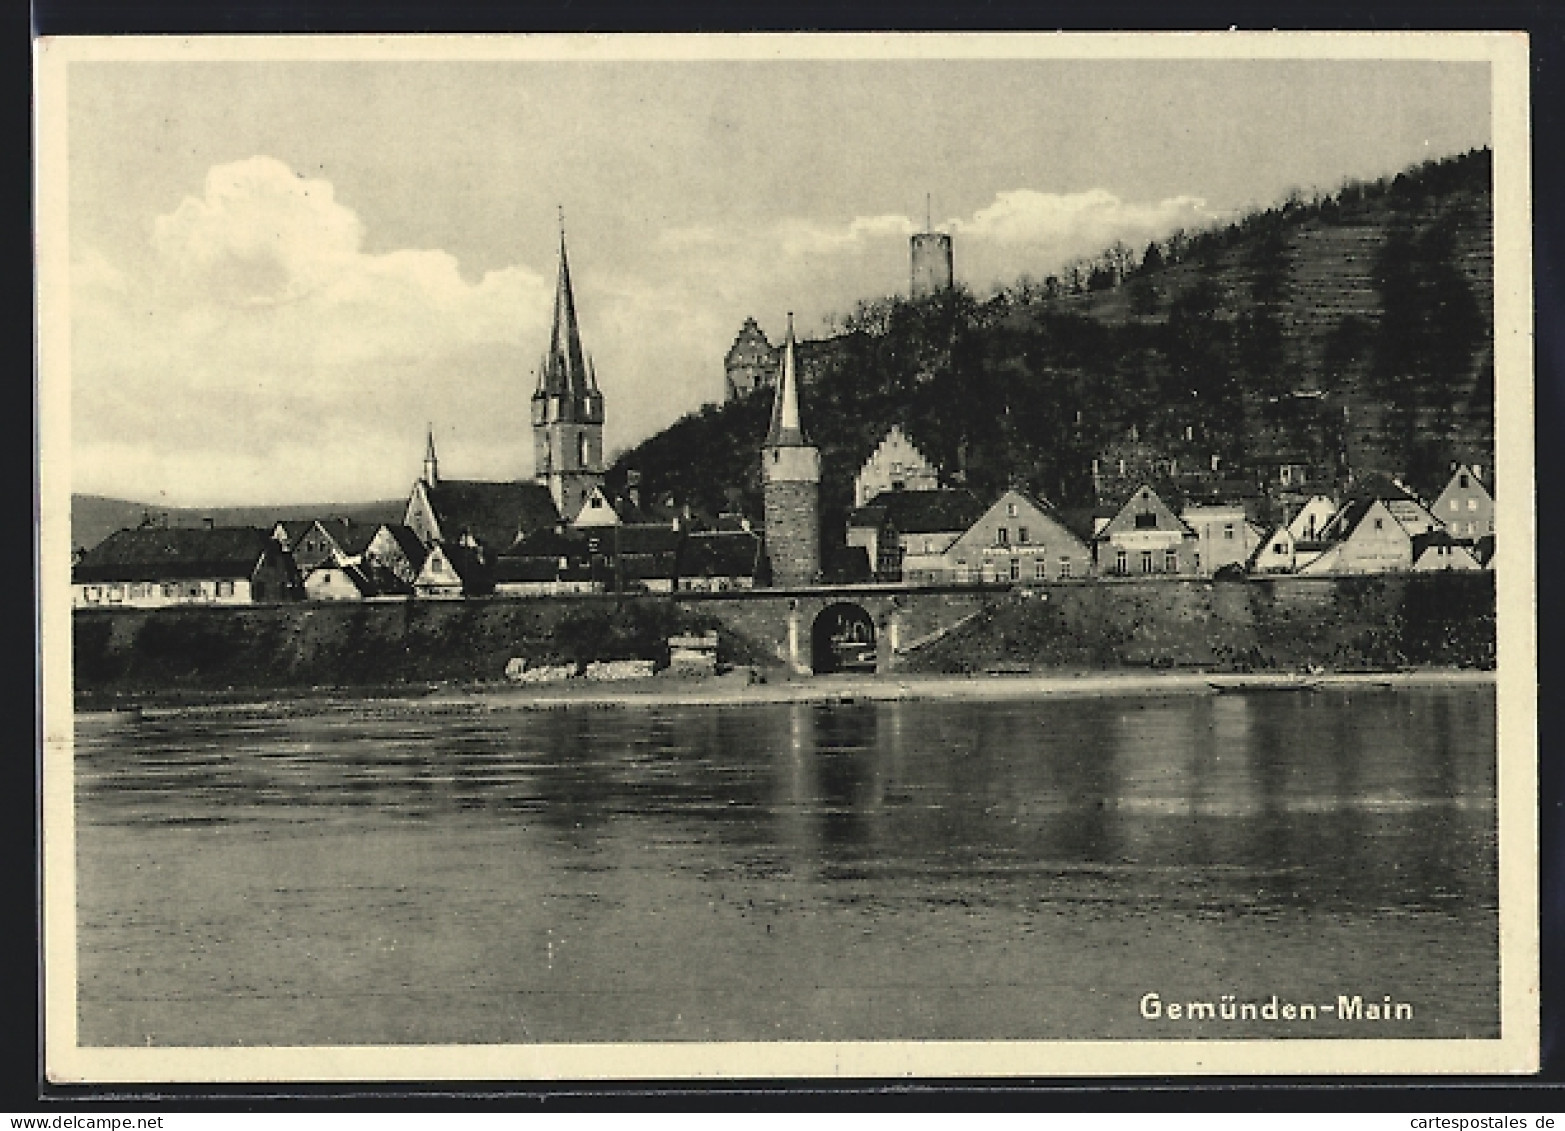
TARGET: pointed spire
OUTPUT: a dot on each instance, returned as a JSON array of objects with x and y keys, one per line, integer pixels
[
  {"x": 565, "y": 369},
  {"x": 787, "y": 431},
  {"x": 431, "y": 465}
]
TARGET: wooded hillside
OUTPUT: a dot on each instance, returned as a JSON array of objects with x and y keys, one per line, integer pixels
[{"x": 1351, "y": 333}]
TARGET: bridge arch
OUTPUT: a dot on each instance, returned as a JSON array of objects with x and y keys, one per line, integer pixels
[{"x": 842, "y": 638}]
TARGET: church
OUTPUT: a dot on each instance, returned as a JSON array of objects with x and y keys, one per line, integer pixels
[{"x": 475, "y": 521}]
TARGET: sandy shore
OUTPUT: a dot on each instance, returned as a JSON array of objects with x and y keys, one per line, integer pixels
[{"x": 735, "y": 689}]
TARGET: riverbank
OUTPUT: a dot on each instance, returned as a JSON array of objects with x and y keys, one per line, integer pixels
[{"x": 736, "y": 689}]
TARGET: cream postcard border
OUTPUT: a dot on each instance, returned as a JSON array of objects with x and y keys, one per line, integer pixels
[{"x": 1515, "y": 1051}]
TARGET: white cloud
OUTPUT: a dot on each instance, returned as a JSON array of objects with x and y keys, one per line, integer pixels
[{"x": 256, "y": 327}]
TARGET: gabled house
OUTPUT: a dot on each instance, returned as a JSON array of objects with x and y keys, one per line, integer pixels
[
  {"x": 331, "y": 581},
  {"x": 310, "y": 541},
  {"x": 1465, "y": 505},
  {"x": 1363, "y": 537},
  {"x": 597, "y": 511},
  {"x": 1437, "y": 552},
  {"x": 719, "y": 560},
  {"x": 905, "y": 534},
  {"x": 896, "y": 464},
  {"x": 453, "y": 570},
  {"x": 1285, "y": 552},
  {"x": 1404, "y": 506},
  {"x": 1145, "y": 538},
  {"x": 150, "y": 567},
  {"x": 396, "y": 550},
  {"x": 1020, "y": 538}
]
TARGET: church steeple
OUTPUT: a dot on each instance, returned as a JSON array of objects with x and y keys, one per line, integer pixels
[
  {"x": 565, "y": 372},
  {"x": 567, "y": 408},
  {"x": 431, "y": 465},
  {"x": 787, "y": 431}
]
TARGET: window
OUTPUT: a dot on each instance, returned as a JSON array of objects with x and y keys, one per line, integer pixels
[
  {"x": 1016, "y": 569},
  {"x": 1472, "y": 504},
  {"x": 225, "y": 588},
  {"x": 1380, "y": 524},
  {"x": 168, "y": 589},
  {"x": 1146, "y": 561},
  {"x": 1279, "y": 548},
  {"x": 1120, "y": 562},
  {"x": 1065, "y": 567},
  {"x": 116, "y": 593},
  {"x": 1456, "y": 505},
  {"x": 1228, "y": 531},
  {"x": 1461, "y": 481},
  {"x": 1022, "y": 536},
  {"x": 1002, "y": 536},
  {"x": 1197, "y": 557},
  {"x": 929, "y": 545},
  {"x": 1287, "y": 475},
  {"x": 1146, "y": 520},
  {"x": 1170, "y": 561},
  {"x": 1010, "y": 510},
  {"x": 1041, "y": 570},
  {"x": 597, "y": 503}
]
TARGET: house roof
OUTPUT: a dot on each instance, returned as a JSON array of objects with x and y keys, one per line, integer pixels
[
  {"x": 359, "y": 578},
  {"x": 1134, "y": 505},
  {"x": 1380, "y": 487},
  {"x": 644, "y": 539},
  {"x": 1347, "y": 520},
  {"x": 1439, "y": 537},
  {"x": 352, "y": 538},
  {"x": 921, "y": 512},
  {"x": 540, "y": 567},
  {"x": 159, "y": 553},
  {"x": 469, "y": 567},
  {"x": 721, "y": 554},
  {"x": 494, "y": 513},
  {"x": 295, "y": 528},
  {"x": 407, "y": 541}
]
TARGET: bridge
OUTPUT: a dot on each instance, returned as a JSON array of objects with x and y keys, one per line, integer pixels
[{"x": 868, "y": 627}]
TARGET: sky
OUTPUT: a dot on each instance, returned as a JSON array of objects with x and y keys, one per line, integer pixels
[{"x": 281, "y": 272}]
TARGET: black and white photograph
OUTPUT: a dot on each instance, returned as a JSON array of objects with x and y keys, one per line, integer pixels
[{"x": 646, "y": 557}]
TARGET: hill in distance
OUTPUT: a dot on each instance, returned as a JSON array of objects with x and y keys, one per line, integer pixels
[
  {"x": 1350, "y": 333},
  {"x": 95, "y": 517}
]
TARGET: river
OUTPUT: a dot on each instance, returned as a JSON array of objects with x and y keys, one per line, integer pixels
[{"x": 380, "y": 874}]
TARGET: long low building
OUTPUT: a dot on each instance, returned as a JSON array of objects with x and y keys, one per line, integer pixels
[{"x": 155, "y": 566}]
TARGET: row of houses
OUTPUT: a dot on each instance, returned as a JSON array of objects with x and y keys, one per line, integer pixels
[
  {"x": 333, "y": 560},
  {"x": 948, "y": 536}
]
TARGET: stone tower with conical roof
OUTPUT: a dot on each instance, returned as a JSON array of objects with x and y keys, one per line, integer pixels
[
  {"x": 791, "y": 484},
  {"x": 567, "y": 408}
]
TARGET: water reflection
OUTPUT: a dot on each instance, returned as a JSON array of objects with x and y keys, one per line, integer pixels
[
  {"x": 1236, "y": 802},
  {"x": 846, "y": 871}
]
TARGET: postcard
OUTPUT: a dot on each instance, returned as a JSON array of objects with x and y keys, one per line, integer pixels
[{"x": 752, "y": 556}]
